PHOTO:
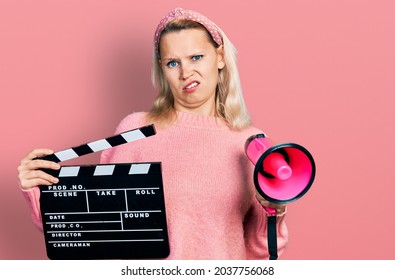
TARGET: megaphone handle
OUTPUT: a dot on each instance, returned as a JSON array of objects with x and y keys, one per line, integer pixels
[{"x": 272, "y": 233}]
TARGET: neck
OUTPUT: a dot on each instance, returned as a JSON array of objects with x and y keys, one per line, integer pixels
[{"x": 204, "y": 108}]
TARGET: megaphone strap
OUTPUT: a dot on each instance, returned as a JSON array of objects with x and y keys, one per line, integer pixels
[{"x": 272, "y": 236}]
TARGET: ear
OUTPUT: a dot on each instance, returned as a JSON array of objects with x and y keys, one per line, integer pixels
[{"x": 220, "y": 57}]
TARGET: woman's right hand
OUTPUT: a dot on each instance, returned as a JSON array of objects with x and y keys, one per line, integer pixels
[{"x": 29, "y": 173}]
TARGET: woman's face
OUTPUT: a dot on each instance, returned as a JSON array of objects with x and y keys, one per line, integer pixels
[{"x": 190, "y": 65}]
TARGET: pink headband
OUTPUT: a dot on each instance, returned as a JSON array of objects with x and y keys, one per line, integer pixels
[{"x": 180, "y": 13}]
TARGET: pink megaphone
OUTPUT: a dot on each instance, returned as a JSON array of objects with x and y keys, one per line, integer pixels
[{"x": 283, "y": 172}]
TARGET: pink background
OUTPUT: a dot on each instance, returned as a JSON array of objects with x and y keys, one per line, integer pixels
[{"x": 318, "y": 73}]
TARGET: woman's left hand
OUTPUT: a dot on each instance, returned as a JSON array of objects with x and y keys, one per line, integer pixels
[{"x": 280, "y": 208}]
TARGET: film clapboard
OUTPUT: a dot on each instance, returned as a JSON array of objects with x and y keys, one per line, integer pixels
[{"x": 105, "y": 211}]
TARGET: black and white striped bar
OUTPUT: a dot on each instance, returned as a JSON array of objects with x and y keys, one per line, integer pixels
[
  {"x": 102, "y": 144},
  {"x": 101, "y": 170}
]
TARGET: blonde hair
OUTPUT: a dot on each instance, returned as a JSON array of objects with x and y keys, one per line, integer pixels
[{"x": 229, "y": 101}]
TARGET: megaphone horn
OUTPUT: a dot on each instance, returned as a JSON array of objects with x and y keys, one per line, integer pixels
[{"x": 284, "y": 172}]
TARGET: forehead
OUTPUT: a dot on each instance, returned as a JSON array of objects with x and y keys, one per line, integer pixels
[{"x": 185, "y": 42}]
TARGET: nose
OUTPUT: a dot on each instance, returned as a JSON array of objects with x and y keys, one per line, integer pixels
[{"x": 186, "y": 71}]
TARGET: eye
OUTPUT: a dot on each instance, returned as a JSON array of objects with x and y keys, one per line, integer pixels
[
  {"x": 197, "y": 57},
  {"x": 172, "y": 64}
]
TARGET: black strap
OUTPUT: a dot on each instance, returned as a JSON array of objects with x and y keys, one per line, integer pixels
[{"x": 272, "y": 237}]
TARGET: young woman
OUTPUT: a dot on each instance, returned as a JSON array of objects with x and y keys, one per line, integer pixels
[{"x": 212, "y": 208}]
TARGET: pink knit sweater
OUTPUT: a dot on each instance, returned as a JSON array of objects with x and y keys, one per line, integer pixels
[{"x": 211, "y": 209}]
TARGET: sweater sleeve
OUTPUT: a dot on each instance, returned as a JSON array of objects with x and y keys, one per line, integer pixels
[
  {"x": 256, "y": 232},
  {"x": 33, "y": 197}
]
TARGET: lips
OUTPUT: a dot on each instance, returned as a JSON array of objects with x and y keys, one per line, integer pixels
[{"x": 191, "y": 86}]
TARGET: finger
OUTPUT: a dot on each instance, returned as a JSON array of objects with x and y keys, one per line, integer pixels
[
  {"x": 36, "y": 153},
  {"x": 28, "y": 184},
  {"x": 41, "y": 164},
  {"x": 36, "y": 164},
  {"x": 36, "y": 177},
  {"x": 39, "y": 174}
]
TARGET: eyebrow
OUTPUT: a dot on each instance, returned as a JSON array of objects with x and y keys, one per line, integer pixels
[
  {"x": 168, "y": 58},
  {"x": 201, "y": 52}
]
